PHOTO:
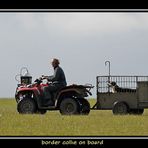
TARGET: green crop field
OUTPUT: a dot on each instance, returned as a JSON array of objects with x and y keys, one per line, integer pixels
[{"x": 97, "y": 123}]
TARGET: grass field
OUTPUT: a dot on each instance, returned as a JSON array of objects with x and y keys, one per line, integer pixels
[{"x": 97, "y": 123}]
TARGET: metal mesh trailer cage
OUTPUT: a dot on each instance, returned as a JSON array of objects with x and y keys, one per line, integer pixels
[
  {"x": 124, "y": 82},
  {"x": 122, "y": 94}
]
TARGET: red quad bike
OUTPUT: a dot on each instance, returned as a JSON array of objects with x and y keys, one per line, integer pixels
[{"x": 69, "y": 100}]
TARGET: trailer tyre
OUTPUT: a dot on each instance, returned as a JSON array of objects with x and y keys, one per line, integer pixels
[
  {"x": 69, "y": 106},
  {"x": 27, "y": 106},
  {"x": 120, "y": 108},
  {"x": 136, "y": 111}
]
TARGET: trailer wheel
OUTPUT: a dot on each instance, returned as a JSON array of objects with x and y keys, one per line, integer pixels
[
  {"x": 26, "y": 106},
  {"x": 85, "y": 109},
  {"x": 136, "y": 111},
  {"x": 120, "y": 108},
  {"x": 69, "y": 106}
]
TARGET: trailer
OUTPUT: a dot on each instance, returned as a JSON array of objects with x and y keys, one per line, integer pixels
[{"x": 122, "y": 94}]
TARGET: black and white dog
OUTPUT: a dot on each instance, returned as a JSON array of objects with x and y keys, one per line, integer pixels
[{"x": 116, "y": 88}]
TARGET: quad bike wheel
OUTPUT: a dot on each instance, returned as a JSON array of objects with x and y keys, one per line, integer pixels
[
  {"x": 85, "y": 109},
  {"x": 27, "y": 106},
  {"x": 69, "y": 106}
]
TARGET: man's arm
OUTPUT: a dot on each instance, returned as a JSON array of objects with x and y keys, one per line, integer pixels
[{"x": 56, "y": 75}]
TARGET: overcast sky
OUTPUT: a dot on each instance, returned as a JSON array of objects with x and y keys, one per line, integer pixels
[{"x": 82, "y": 42}]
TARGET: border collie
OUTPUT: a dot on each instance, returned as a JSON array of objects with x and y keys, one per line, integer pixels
[{"x": 116, "y": 88}]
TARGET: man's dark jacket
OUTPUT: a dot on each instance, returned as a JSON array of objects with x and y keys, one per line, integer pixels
[{"x": 58, "y": 77}]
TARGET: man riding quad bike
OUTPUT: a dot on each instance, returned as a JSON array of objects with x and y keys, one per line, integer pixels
[
  {"x": 68, "y": 100},
  {"x": 39, "y": 97}
]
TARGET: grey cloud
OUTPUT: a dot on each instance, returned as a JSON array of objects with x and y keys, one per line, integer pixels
[{"x": 82, "y": 41}]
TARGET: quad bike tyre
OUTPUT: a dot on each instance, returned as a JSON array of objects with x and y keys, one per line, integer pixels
[
  {"x": 69, "y": 106},
  {"x": 27, "y": 106},
  {"x": 85, "y": 107}
]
